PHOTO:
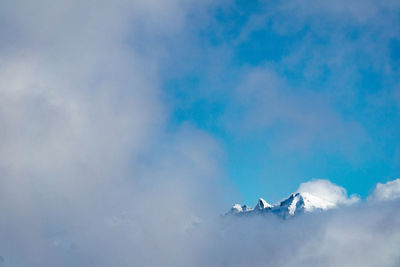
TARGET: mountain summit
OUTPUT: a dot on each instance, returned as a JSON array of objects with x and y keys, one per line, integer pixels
[
  {"x": 262, "y": 204},
  {"x": 295, "y": 204}
]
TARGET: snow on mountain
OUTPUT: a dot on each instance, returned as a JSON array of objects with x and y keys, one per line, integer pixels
[
  {"x": 262, "y": 204},
  {"x": 237, "y": 208},
  {"x": 311, "y": 196},
  {"x": 296, "y": 203}
]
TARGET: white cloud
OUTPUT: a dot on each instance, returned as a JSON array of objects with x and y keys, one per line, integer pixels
[
  {"x": 387, "y": 191},
  {"x": 328, "y": 191}
]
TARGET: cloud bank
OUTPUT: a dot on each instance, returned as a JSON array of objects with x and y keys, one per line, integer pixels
[
  {"x": 90, "y": 175},
  {"x": 359, "y": 235}
]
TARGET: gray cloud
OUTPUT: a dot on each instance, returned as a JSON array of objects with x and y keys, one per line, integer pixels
[
  {"x": 90, "y": 175},
  {"x": 360, "y": 235},
  {"x": 387, "y": 191}
]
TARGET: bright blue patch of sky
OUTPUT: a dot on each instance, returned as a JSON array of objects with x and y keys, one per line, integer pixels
[{"x": 330, "y": 109}]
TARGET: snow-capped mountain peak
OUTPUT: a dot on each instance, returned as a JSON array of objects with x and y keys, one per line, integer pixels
[
  {"x": 262, "y": 204},
  {"x": 237, "y": 208},
  {"x": 296, "y": 203}
]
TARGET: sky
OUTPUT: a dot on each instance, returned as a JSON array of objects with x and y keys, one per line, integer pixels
[
  {"x": 128, "y": 127},
  {"x": 293, "y": 91}
]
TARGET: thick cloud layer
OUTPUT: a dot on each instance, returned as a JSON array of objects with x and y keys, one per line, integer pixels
[
  {"x": 352, "y": 234},
  {"x": 359, "y": 235},
  {"x": 89, "y": 173}
]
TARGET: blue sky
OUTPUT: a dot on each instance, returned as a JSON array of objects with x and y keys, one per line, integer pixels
[{"x": 293, "y": 91}]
